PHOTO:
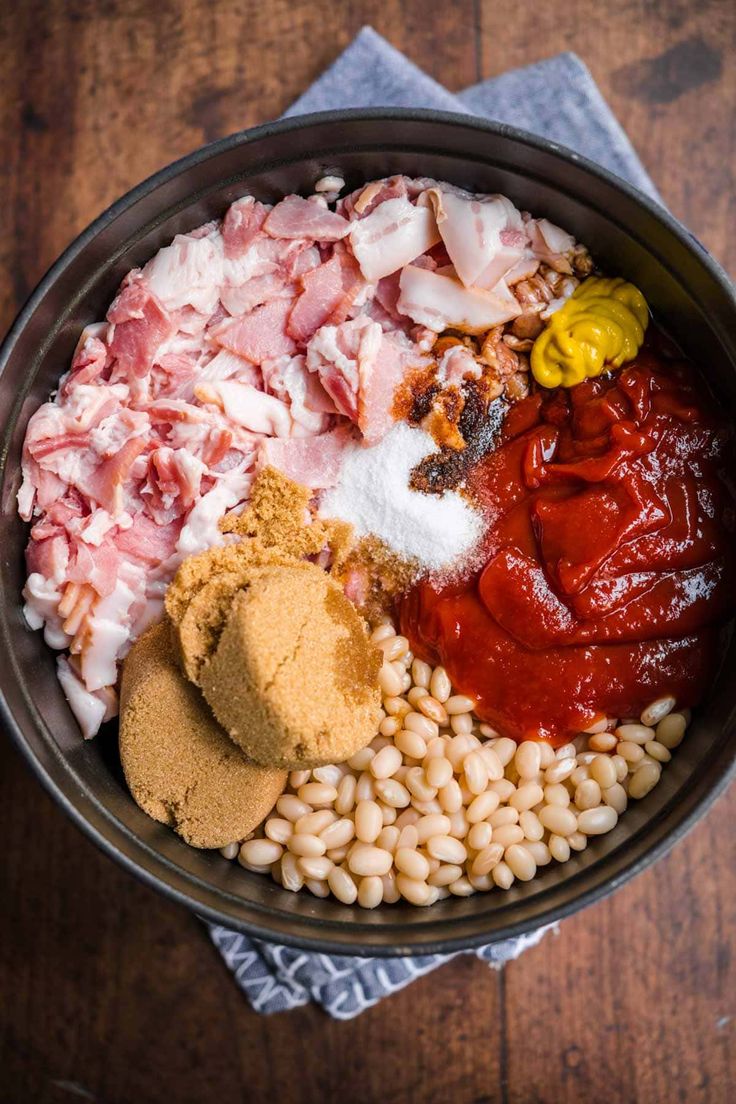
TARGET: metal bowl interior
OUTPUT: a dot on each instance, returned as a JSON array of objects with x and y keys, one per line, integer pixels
[{"x": 627, "y": 233}]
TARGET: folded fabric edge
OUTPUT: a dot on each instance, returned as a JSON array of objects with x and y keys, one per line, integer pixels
[{"x": 401, "y": 84}]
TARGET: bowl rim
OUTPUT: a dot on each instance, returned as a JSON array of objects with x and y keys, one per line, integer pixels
[{"x": 145, "y": 865}]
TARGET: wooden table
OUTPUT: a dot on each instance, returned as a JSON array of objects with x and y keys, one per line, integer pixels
[{"x": 109, "y": 993}]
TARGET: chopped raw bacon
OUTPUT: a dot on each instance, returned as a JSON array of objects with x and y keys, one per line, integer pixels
[
  {"x": 174, "y": 410},
  {"x": 392, "y": 236},
  {"x": 483, "y": 235},
  {"x": 295, "y": 217},
  {"x": 96, "y": 566},
  {"x": 310, "y": 405},
  {"x": 89, "y": 709},
  {"x": 313, "y": 461},
  {"x": 256, "y": 291},
  {"x": 260, "y": 335},
  {"x": 242, "y": 222},
  {"x": 171, "y": 374},
  {"x": 149, "y": 542},
  {"x": 105, "y": 485},
  {"x": 441, "y": 302},
  {"x": 88, "y": 364},
  {"x": 367, "y": 198},
  {"x": 140, "y": 325},
  {"x": 249, "y": 407},
  {"x": 187, "y": 274},
  {"x": 217, "y": 446},
  {"x": 457, "y": 364},
  {"x": 327, "y": 291},
  {"x": 336, "y": 354},
  {"x": 551, "y": 244},
  {"x": 378, "y": 378},
  {"x": 173, "y": 484},
  {"x": 48, "y": 556}
]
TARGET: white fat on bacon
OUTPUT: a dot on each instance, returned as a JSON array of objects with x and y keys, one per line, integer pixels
[
  {"x": 393, "y": 235},
  {"x": 248, "y": 406},
  {"x": 483, "y": 235},
  {"x": 187, "y": 273},
  {"x": 42, "y": 597},
  {"x": 107, "y": 635},
  {"x": 202, "y": 528},
  {"x": 88, "y": 708},
  {"x": 441, "y": 302}
]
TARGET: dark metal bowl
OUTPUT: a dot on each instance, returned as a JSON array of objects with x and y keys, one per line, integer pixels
[{"x": 627, "y": 232}]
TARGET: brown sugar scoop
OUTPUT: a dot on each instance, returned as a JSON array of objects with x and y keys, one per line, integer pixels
[
  {"x": 181, "y": 767},
  {"x": 293, "y": 677}
]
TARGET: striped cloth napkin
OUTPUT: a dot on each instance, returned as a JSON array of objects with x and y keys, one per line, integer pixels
[{"x": 556, "y": 98}]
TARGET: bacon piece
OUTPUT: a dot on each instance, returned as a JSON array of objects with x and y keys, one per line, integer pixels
[
  {"x": 551, "y": 244},
  {"x": 309, "y": 403},
  {"x": 171, "y": 373},
  {"x": 202, "y": 525},
  {"x": 256, "y": 291},
  {"x": 39, "y": 488},
  {"x": 89, "y": 709},
  {"x": 187, "y": 273},
  {"x": 457, "y": 364},
  {"x": 141, "y": 325},
  {"x": 49, "y": 557},
  {"x": 174, "y": 410},
  {"x": 483, "y": 235},
  {"x": 242, "y": 222},
  {"x": 260, "y": 335},
  {"x": 335, "y": 353},
  {"x": 88, "y": 364},
  {"x": 295, "y": 217},
  {"x": 327, "y": 290},
  {"x": 61, "y": 515},
  {"x": 64, "y": 442},
  {"x": 227, "y": 365},
  {"x": 105, "y": 636},
  {"x": 173, "y": 484},
  {"x": 216, "y": 446},
  {"x": 367, "y": 198},
  {"x": 378, "y": 379},
  {"x": 147, "y": 541},
  {"x": 312, "y": 461},
  {"x": 105, "y": 485},
  {"x": 395, "y": 234},
  {"x": 387, "y": 294},
  {"x": 441, "y": 302},
  {"x": 96, "y": 566},
  {"x": 248, "y": 406}
]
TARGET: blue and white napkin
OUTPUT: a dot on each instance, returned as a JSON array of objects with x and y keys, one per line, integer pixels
[{"x": 556, "y": 98}]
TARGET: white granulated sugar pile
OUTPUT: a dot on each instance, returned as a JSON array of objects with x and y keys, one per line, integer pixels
[{"x": 373, "y": 494}]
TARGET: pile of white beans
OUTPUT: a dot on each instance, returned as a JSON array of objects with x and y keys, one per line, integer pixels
[{"x": 439, "y": 804}]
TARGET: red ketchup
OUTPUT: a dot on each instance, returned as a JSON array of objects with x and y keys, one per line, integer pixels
[{"x": 608, "y": 568}]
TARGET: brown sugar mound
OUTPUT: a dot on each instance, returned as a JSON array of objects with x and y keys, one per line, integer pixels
[
  {"x": 198, "y": 632},
  {"x": 294, "y": 678},
  {"x": 181, "y": 767}
]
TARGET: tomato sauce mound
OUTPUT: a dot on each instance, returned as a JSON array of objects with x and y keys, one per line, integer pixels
[{"x": 608, "y": 567}]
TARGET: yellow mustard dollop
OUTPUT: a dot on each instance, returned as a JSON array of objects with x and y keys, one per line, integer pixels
[{"x": 601, "y": 325}]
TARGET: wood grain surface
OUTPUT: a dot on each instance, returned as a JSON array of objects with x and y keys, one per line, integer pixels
[{"x": 108, "y": 993}]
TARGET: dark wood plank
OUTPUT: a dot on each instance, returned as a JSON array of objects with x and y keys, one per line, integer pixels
[
  {"x": 666, "y": 68},
  {"x": 634, "y": 999},
  {"x": 113, "y": 994},
  {"x": 120, "y": 993}
]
